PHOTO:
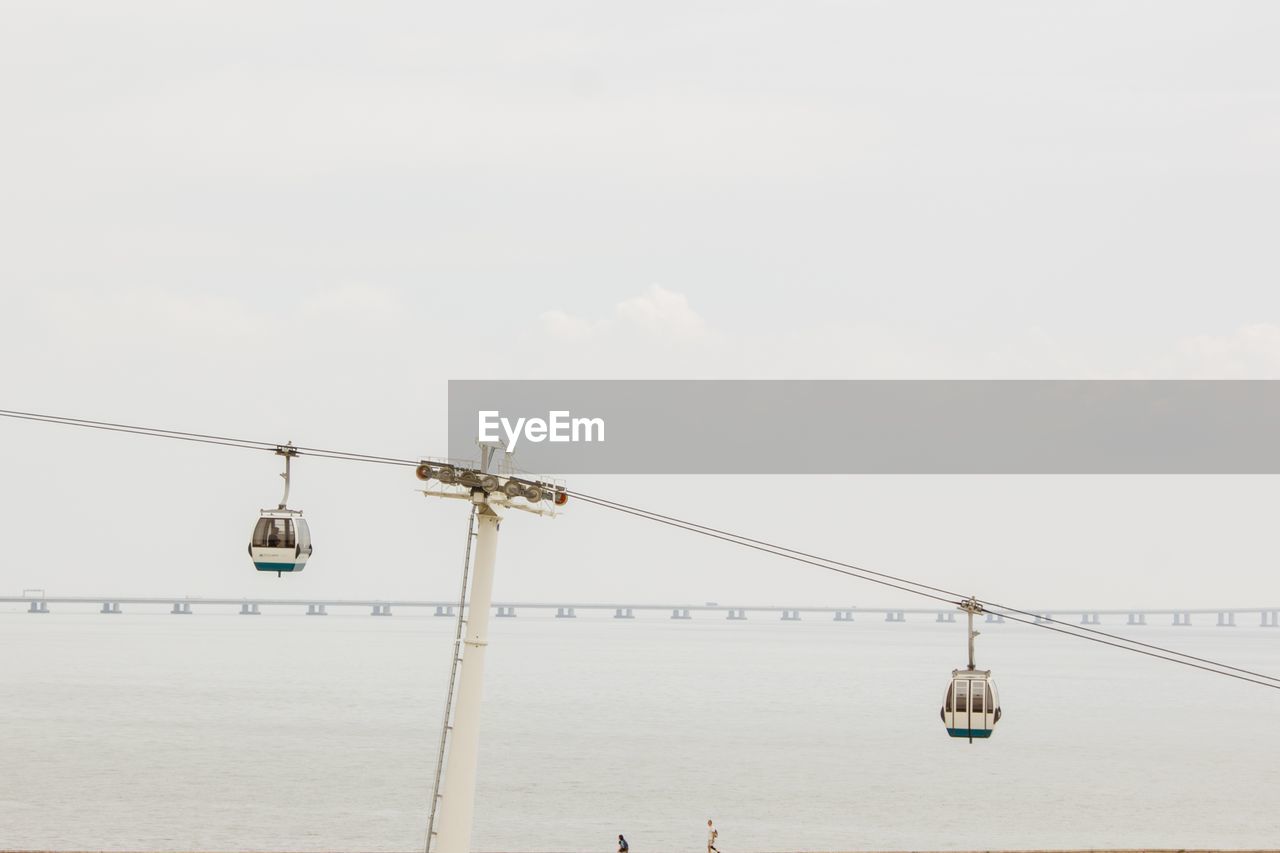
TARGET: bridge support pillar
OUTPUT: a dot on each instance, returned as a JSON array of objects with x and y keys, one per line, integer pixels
[
  {"x": 1043, "y": 618},
  {"x": 895, "y": 616},
  {"x": 1090, "y": 619},
  {"x": 382, "y": 610},
  {"x": 1137, "y": 619},
  {"x": 736, "y": 614},
  {"x": 680, "y": 613},
  {"x": 1182, "y": 619},
  {"x": 791, "y": 615},
  {"x": 623, "y": 613},
  {"x": 249, "y": 609},
  {"x": 444, "y": 610},
  {"x": 506, "y": 612},
  {"x": 316, "y": 610},
  {"x": 844, "y": 616},
  {"x": 110, "y": 607},
  {"x": 995, "y": 617},
  {"x": 1226, "y": 620},
  {"x": 565, "y": 613},
  {"x": 946, "y": 616},
  {"x": 181, "y": 608},
  {"x": 1271, "y": 619},
  {"x": 38, "y": 607}
]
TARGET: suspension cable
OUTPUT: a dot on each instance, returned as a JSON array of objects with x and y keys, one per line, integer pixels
[
  {"x": 204, "y": 438},
  {"x": 905, "y": 585},
  {"x": 1005, "y": 610},
  {"x": 881, "y": 578}
]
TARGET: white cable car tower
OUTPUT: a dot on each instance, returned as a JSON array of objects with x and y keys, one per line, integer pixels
[{"x": 453, "y": 797}]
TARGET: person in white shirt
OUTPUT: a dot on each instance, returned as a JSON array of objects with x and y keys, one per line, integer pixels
[{"x": 711, "y": 837}]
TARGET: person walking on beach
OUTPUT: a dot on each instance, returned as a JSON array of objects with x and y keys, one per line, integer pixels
[
  {"x": 623, "y": 847},
  {"x": 711, "y": 837}
]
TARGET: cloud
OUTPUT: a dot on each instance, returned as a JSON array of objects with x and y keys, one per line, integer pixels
[
  {"x": 662, "y": 313},
  {"x": 658, "y": 333},
  {"x": 569, "y": 328},
  {"x": 658, "y": 313},
  {"x": 1250, "y": 352}
]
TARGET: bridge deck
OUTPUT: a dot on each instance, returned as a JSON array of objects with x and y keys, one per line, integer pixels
[{"x": 597, "y": 605}]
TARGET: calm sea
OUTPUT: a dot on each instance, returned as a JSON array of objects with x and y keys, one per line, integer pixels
[{"x": 147, "y": 731}]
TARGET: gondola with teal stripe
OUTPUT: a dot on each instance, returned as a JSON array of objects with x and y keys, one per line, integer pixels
[
  {"x": 281, "y": 540},
  {"x": 971, "y": 707}
]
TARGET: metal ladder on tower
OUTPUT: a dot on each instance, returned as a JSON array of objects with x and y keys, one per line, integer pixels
[{"x": 447, "y": 726}]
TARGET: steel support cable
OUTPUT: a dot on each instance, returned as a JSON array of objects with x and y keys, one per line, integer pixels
[
  {"x": 69, "y": 421},
  {"x": 1149, "y": 654},
  {"x": 1003, "y": 608},
  {"x": 1170, "y": 655},
  {"x": 1006, "y": 610},
  {"x": 204, "y": 438},
  {"x": 849, "y": 569},
  {"x": 728, "y": 537},
  {"x": 354, "y": 457},
  {"x": 153, "y": 433},
  {"x": 655, "y": 515}
]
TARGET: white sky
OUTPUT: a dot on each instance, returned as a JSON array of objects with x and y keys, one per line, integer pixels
[{"x": 296, "y": 221}]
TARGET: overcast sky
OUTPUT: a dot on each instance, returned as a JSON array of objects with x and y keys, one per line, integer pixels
[{"x": 297, "y": 221}]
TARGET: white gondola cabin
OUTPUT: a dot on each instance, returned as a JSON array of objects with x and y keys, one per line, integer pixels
[
  {"x": 281, "y": 541},
  {"x": 972, "y": 705}
]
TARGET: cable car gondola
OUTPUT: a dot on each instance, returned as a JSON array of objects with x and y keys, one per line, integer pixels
[
  {"x": 281, "y": 541},
  {"x": 972, "y": 705}
]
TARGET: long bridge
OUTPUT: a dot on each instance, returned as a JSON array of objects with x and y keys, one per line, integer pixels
[{"x": 37, "y": 602}]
